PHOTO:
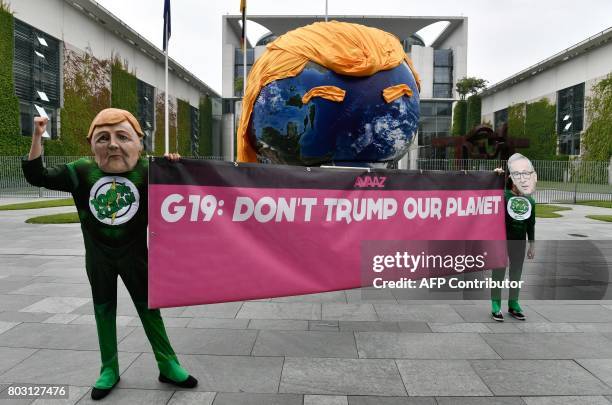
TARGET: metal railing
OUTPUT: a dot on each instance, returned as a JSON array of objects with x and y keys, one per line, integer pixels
[
  {"x": 13, "y": 184},
  {"x": 558, "y": 181}
]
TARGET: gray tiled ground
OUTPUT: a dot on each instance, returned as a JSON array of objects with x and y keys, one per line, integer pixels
[
  {"x": 214, "y": 373},
  {"x": 305, "y": 344},
  {"x": 549, "y": 345},
  {"x": 72, "y": 367},
  {"x": 538, "y": 377},
  {"x": 341, "y": 377},
  {"x": 441, "y": 378},
  {"x": 423, "y": 346},
  {"x": 197, "y": 341},
  {"x": 339, "y": 347}
]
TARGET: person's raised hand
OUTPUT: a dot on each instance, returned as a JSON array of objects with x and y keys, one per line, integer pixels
[{"x": 40, "y": 126}]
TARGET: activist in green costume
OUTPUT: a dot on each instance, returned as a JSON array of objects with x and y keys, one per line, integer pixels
[
  {"x": 520, "y": 225},
  {"x": 110, "y": 194}
]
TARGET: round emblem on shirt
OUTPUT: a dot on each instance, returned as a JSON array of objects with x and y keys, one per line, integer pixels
[
  {"x": 113, "y": 200},
  {"x": 519, "y": 208}
]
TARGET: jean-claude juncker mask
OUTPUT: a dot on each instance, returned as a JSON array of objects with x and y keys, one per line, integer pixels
[{"x": 522, "y": 174}]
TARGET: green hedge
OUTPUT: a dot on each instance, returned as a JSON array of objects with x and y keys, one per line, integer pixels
[
  {"x": 460, "y": 118},
  {"x": 86, "y": 92},
  {"x": 597, "y": 139},
  {"x": 535, "y": 122},
  {"x": 184, "y": 128},
  {"x": 540, "y": 130},
  {"x": 206, "y": 121},
  {"x": 158, "y": 147},
  {"x": 11, "y": 140},
  {"x": 474, "y": 104},
  {"x": 124, "y": 88},
  {"x": 516, "y": 120}
]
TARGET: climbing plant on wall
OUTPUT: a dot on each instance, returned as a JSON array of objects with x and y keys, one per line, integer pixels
[
  {"x": 11, "y": 140},
  {"x": 474, "y": 104},
  {"x": 540, "y": 130},
  {"x": 459, "y": 118},
  {"x": 516, "y": 120},
  {"x": 184, "y": 128},
  {"x": 205, "y": 126},
  {"x": 159, "y": 124},
  {"x": 598, "y": 136},
  {"x": 87, "y": 84},
  {"x": 535, "y": 122},
  {"x": 124, "y": 90}
]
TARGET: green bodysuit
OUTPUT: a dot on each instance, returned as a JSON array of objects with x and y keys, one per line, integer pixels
[{"x": 112, "y": 209}]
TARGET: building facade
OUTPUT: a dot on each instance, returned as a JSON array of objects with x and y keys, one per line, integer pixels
[
  {"x": 564, "y": 80},
  {"x": 439, "y": 65},
  {"x": 73, "y": 58}
]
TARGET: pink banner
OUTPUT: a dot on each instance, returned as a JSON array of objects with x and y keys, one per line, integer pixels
[{"x": 219, "y": 232}]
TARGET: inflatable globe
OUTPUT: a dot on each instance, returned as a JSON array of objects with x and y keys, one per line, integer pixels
[{"x": 361, "y": 130}]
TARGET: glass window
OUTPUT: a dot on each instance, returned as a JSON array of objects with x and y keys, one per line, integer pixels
[
  {"x": 442, "y": 90},
  {"x": 238, "y": 56},
  {"x": 570, "y": 118},
  {"x": 443, "y": 125},
  {"x": 146, "y": 112},
  {"x": 427, "y": 108},
  {"x": 195, "y": 130},
  {"x": 444, "y": 108},
  {"x": 239, "y": 68},
  {"x": 239, "y": 71},
  {"x": 428, "y": 125},
  {"x": 569, "y": 144},
  {"x": 500, "y": 118},
  {"x": 435, "y": 121},
  {"x": 443, "y": 75},
  {"x": 36, "y": 70},
  {"x": 443, "y": 57}
]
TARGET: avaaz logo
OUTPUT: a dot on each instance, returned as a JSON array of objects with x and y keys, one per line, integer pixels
[{"x": 370, "y": 181}]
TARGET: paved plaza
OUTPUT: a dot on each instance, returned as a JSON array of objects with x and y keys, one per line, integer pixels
[{"x": 332, "y": 348}]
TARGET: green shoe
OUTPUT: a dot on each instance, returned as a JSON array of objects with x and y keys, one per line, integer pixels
[
  {"x": 99, "y": 393},
  {"x": 108, "y": 378},
  {"x": 172, "y": 370}
]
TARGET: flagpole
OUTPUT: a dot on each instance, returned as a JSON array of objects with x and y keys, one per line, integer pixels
[
  {"x": 325, "y": 10},
  {"x": 244, "y": 53},
  {"x": 166, "y": 123}
]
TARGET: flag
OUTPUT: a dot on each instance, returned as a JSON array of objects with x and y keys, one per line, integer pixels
[
  {"x": 243, "y": 11},
  {"x": 167, "y": 25}
]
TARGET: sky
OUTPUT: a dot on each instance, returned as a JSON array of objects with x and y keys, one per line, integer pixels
[{"x": 504, "y": 36}]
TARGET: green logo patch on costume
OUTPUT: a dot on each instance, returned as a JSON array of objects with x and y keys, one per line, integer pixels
[
  {"x": 114, "y": 200},
  {"x": 519, "y": 208}
]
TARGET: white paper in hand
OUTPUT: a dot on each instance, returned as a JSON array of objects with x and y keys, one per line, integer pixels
[{"x": 42, "y": 113}]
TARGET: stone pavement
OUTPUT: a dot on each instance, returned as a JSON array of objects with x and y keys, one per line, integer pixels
[{"x": 330, "y": 348}]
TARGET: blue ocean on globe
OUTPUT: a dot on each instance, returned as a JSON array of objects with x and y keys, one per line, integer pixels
[{"x": 359, "y": 131}]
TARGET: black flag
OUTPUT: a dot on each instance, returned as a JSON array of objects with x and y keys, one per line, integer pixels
[{"x": 167, "y": 25}]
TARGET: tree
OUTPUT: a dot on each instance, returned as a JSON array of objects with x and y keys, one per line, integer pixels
[
  {"x": 598, "y": 136},
  {"x": 238, "y": 85},
  {"x": 469, "y": 85},
  {"x": 474, "y": 106},
  {"x": 459, "y": 118}
]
